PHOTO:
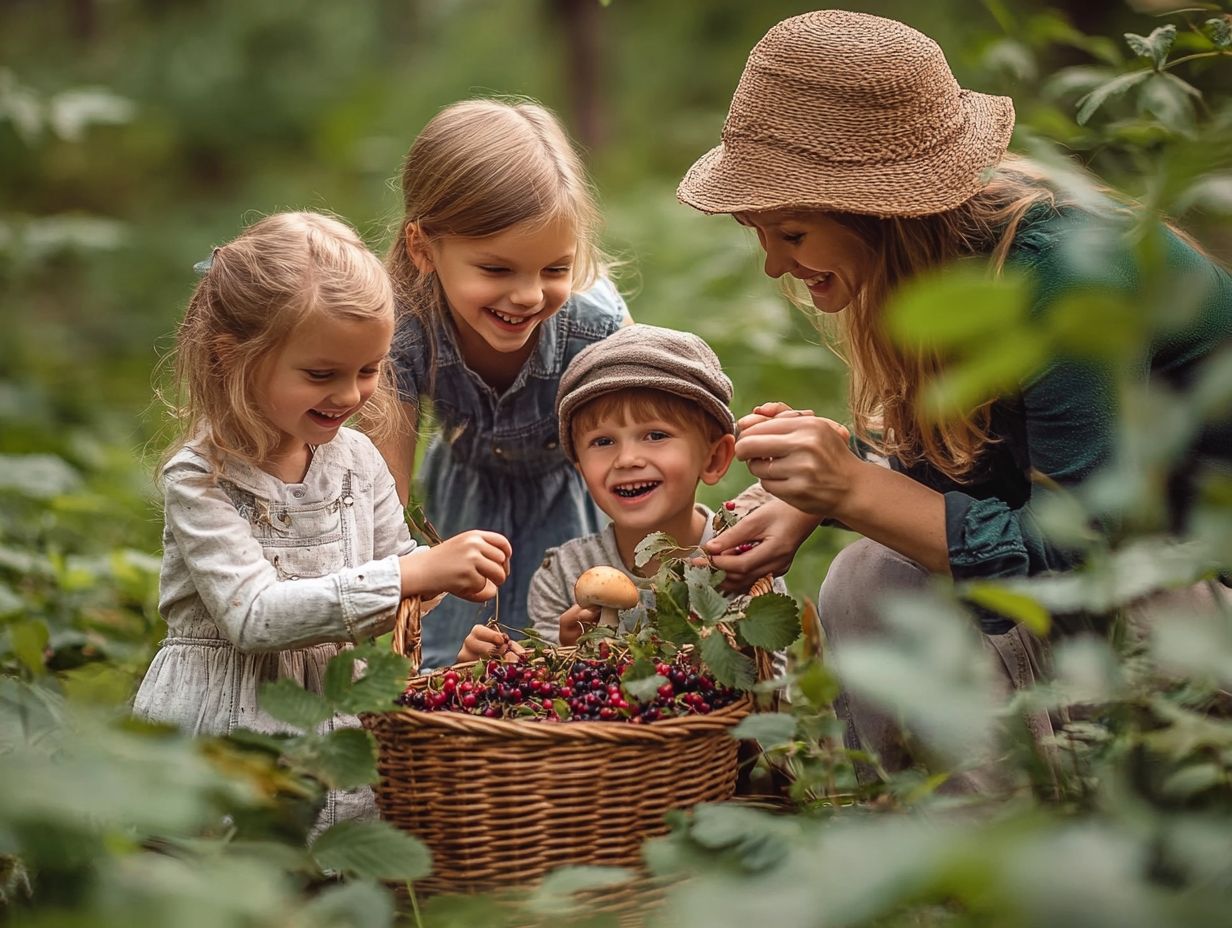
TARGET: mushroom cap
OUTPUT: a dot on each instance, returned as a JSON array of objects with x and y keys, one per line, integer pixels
[{"x": 605, "y": 586}]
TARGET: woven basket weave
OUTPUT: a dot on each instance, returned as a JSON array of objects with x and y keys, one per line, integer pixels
[{"x": 500, "y": 802}]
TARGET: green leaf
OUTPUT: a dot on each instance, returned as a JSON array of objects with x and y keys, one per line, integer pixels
[
  {"x": 350, "y": 905},
  {"x": 28, "y": 640},
  {"x": 1219, "y": 31},
  {"x": 1096, "y": 98},
  {"x": 344, "y": 759},
  {"x": 817, "y": 684},
  {"x": 640, "y": 680},
  {"x": 999, "y": 367},
  {"x": 554, "y": 895},
  {"x": 959, "y": 306},
  {"x": 768, "y": 728},
  {"x": 759, "y": 840},
  {"x": 771, "y": 621},
  {"x": 373, "y": 850},
  {"x": 38, "y": 476},
  {"x": 728, "y": 665},
  {"x": 384, "y": 678},
  {"x": 1170, "y": 100},
  {"x": 652, "y": 546},
  {"x": 1155, "y": 46},
  {"x": 671, "y": 616},
  {"x": 709, "y": 604},
  {"x": 288, "y": 701},
  {"x": 1194, "y": 779},
  {"x": 10, "y": 603},
  {"x": 1021, "y": 608}
]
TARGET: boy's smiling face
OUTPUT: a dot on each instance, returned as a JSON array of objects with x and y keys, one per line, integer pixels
[{"x": 643, "y": 471}]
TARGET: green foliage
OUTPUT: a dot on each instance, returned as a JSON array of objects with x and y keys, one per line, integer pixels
[
  {"x": 372, "y": 850},
  {"x": 135, "y": 142}
]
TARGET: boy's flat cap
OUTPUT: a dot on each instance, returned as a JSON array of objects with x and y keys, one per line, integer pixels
[{"x": 650, "y": 358}]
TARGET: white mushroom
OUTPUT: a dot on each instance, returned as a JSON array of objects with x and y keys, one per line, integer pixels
[{"x": 609, "y": 589}]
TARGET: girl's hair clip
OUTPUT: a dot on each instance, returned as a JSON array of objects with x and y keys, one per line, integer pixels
[{"x": 203, "y": 267}]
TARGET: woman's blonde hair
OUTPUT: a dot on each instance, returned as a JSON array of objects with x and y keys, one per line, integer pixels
[
  {"x": 480, "y": 167},
  {"x": 886, "y": 381},
  {"x": 279, "y": 273}
]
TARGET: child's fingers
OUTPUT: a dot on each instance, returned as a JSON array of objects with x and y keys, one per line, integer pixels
[
  {"x": 498, "y": 541},
  {"x": 489, "y": 569}
]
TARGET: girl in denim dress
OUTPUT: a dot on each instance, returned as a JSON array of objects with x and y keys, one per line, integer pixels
[
  {"x": 500, "y": 284},
  {"x": 284, "y": 539}
]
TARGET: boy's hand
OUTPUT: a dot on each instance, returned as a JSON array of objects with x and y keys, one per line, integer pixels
[
  {"x": 470, "y": 565},
  {"x": 483, "y": 642},
  {"x": 574, "y": 622}
]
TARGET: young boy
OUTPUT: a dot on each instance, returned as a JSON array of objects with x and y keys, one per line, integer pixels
[{"x": 644, "y": 417}]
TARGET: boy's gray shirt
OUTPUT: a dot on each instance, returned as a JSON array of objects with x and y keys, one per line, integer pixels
[{"x": 551, "y": 588}]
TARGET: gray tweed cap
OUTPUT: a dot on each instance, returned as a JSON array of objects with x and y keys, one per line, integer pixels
[{"x": 650, "y": 358}]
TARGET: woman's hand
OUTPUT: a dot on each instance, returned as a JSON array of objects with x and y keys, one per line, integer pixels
[
  {"x": 801, "y": 458},
  {"x": 574, "y": 621},
  {"x": 470, "y": 565},
  {"x": 484, "y": 642},
  {"x": 763, "y": 542}
]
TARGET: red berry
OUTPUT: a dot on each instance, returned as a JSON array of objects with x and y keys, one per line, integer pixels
[{"x": 730, "y": 505}]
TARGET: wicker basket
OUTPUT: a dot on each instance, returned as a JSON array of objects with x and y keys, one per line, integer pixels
[{"x": 501, "y": 802}]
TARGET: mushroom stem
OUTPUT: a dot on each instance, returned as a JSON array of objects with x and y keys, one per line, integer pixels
[{"x": 609, "y": 617}]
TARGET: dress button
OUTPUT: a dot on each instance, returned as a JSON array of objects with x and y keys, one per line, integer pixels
[
  {"x": 498, "y": 451},
  {"x": 552, "y": 444},
  {"x": 298, "y": 494},
  {"x": 347, "y": 501}
]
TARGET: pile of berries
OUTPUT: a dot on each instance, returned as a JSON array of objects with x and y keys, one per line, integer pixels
[{"x": 576, "y": 689}]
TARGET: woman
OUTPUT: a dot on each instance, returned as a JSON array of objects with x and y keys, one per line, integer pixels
[{"x": 852, "y": 152}]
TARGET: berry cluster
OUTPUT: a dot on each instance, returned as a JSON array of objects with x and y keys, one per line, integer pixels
[{"x": 574, "y": 689}]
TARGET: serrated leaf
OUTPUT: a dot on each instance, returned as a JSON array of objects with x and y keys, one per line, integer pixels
[
  {"x": 1096, "y": 98},
  {"x": 373, "y": 850},
  {"x": 287, "y": 701},
  {"x": 671, "y": 613},
  {"x": 384, "y": 677},
  {"x": 1155, "y": 46},
  {"x": 652, "y": 546},
  {"x": 768, "y": 728},
  {"x": 771, "y": 621},
  {"x": 343, "y": 759},
  {"x": 729, "y": 666},
  {"x": 1219, "y": 31},
  {"x": 640, "y": 680},
  {"x": 1013, "y": 605},
  {"x": 28, "y": 640},
  {"x": 709, "y": 604}
]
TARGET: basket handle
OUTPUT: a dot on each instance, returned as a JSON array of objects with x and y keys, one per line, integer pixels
[{"x": 408, "y": 628}]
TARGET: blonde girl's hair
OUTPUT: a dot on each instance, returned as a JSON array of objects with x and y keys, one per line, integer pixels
[
  {"x": 480, "y": 167},
  {"x": 281, "y": 272},
  {"x": 886, "y": 381}
]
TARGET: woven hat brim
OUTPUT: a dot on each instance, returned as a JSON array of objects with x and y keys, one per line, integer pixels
[{"x": 759, "y": 176}]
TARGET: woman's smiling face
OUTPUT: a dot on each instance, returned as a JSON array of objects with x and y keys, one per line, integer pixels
[{"x": 830, "y": 259}]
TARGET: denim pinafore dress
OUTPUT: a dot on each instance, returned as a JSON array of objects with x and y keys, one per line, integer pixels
[{"x": 495, "y": 462}]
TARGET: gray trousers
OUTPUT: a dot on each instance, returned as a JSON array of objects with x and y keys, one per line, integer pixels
[{"x": 862, "y": 572}]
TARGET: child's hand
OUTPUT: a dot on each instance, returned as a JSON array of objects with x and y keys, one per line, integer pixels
[
  {"x": 470, "y": 565},
  {"x": 489, "y": 642},
  {"x": 576, "y": 620}
]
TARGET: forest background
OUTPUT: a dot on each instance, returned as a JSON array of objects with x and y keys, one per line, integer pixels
[{"x": 135, "y": 135}]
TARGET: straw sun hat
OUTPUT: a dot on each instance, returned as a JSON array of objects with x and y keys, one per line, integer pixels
[{"x": 852, "y": 113}]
